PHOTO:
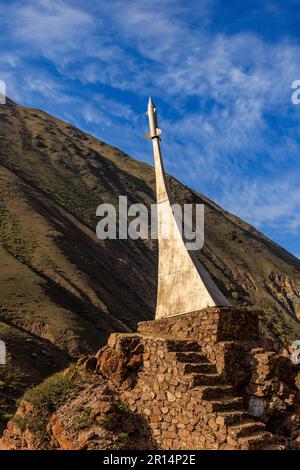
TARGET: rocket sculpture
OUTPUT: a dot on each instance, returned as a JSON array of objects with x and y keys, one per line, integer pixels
[{"x": 184, "y": 285}]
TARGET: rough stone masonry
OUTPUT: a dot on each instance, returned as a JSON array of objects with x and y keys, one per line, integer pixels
[{"x": 204, "y": 381}]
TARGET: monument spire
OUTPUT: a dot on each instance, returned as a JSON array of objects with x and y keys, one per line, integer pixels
[{"x": 184, "y": 285}]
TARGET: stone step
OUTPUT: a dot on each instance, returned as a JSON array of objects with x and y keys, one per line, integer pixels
[
  {"x": 205, "y": 379},
  {"x": 246, "y": 429},
  {"x": 190, "y": 357},
  {"x": 225, "y": 404},
  {"x": 210, "y": 392},
  {"x": 183, "y": 346},
  {"x": 227, "y": 418},
  {"x": 257, "y": 440},
  {"x": 199, "y": 367}
]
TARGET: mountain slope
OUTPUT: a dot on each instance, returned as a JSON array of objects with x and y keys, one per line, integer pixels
[{"x": 63, "y": 290}]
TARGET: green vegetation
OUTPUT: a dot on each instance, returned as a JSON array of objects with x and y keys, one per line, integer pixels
[
  {"x": 234, "y": 295},
  {"x": 122, "y": 441},
  {"x": 275, "y": 324},
  {"x": 45, "y": 399},
  {"x": 80, "y": 420},
  {"x": 121, "y": 407},
  {"x": 108, "y": 421},
  {"x": 62, "y": 290},
  {"x": 21, "y": 422},
  {"x": 12, "y": 239}
]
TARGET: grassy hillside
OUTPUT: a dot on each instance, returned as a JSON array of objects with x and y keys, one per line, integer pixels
[{"x": 62, "y": 290}]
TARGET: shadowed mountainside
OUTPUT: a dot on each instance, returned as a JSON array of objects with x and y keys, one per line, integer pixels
[{"x": 63, "y": 290}]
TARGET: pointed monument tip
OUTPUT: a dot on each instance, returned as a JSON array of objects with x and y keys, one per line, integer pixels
[{"x": 150, "y": 102}]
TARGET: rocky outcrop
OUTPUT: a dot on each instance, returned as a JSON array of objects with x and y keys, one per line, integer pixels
[
  {"x": 97, "y": 419},
  {"x": 17, "y": 436},
  {"x": 92, "y": 418},
  {"x": 286, "y": 291},
  {"x": 120, "y": 360},
  {"x": 206, "y": 381},
  {"x": 197, "y": 381},
  {"x": 273, "y": 396},
  {"x": 63, "y": 291}
]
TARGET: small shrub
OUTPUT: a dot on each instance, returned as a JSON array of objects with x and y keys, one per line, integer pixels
[
  {"x": 20, "y": 422},
  {"x": 123, "y": 436},
  {"x": 107, "y": 422},
  {"x": 120, "y": 446},
  {"x": 122, "y": 442},
  {"x": 121, "y": 407},
  {"x": 80, "y": 421},
  {"x": 234, "y": 295},
  {"x": 46, "y": 398}
]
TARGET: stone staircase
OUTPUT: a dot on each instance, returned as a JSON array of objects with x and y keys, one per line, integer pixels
[{"x": 228, "y": 410}]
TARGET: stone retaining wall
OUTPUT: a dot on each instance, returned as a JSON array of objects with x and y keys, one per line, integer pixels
[
  {"x": 176, "y": 414},
  {"x": 226, "y": 335},
  {"x": 191, "y": 378}
]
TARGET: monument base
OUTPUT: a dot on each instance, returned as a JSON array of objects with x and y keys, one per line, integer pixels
[{"x": 225, "y": 335}]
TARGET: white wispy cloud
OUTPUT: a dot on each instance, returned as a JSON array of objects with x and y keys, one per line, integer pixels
[
  {"x": 52, "y": 27},
  {"x": 266, "y": 203},
  {"x": 239, "y": 85}
]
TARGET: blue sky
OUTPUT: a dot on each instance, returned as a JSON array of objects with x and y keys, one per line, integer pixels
[{"x": 220, "y": 73}]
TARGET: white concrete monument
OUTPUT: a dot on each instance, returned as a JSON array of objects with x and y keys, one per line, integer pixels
[{"x": 184, "y": 285}]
